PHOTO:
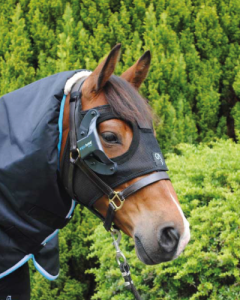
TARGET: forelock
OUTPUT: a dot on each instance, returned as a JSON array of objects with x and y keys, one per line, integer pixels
[{"x": 126, "y": 102}]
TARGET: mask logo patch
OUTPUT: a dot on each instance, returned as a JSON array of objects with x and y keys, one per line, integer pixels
[
  {"x": 89, "y": 144},
  {"x": 158, "y": 159}
]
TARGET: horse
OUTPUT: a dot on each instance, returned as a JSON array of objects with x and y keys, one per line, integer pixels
[{"x": 108, "y": 160}]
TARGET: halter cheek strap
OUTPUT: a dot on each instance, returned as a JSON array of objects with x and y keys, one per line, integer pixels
[{"x": 116, "y": 198}]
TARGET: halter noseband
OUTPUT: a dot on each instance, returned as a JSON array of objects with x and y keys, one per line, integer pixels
[{"x": 77, "y": 159}]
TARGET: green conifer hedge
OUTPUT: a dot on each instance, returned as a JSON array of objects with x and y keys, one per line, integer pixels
[{"x": 194, "y": 82}]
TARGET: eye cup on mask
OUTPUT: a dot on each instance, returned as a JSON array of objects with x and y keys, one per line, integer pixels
[{"x": 90, "y": 147}]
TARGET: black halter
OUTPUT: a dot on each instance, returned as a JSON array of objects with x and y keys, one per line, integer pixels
[{"x": 116, "y": 198}]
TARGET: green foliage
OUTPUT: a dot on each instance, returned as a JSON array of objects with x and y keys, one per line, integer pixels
[
  {"x": 207, "y": 181},
  {"x": 15, "y": 68},
  {"x": 236, "y": 116},
  {"x": 193, "y": 84}
]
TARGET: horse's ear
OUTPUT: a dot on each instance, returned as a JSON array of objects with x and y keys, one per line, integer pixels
[
  {"x": 96, "y": 81},
  {"x": 137, "y": 73}
]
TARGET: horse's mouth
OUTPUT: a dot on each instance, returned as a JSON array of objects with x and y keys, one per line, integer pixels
[
  {"x": 142, "y": 254},
  {"x": 149, "y": 257}
]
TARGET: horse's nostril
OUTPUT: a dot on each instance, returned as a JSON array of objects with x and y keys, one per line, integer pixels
[{"x": 168, "y": 239}]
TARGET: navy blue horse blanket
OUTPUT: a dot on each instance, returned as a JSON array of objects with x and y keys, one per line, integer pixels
[{"x": 33, "y": 204}]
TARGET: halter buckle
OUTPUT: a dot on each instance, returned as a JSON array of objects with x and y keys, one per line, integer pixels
[{"x": 121, "y": 201}]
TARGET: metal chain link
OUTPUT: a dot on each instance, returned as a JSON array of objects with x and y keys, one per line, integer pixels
[{"x": 123, "y": 265}]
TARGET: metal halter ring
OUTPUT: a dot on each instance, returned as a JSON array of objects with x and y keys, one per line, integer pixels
[
  {"x": 75, "y": 154},
  {"x": 121, "y": 201}
]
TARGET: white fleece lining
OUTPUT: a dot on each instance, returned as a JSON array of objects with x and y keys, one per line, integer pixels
[{"x": 71, "y": 81}]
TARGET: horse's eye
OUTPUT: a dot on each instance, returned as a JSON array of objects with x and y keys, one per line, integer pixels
[{"x": 110, "y": 137}]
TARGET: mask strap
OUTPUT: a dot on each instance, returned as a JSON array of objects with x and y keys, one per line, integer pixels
[
  {"x": 124, "y": 194},
  {"x": 117, "y": 199}
]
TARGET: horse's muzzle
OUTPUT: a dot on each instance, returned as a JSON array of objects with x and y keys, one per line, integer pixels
[{"x": 162, "y": 250}]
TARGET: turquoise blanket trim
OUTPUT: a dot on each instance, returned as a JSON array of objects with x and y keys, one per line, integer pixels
[{"x": 60, "y": 126}]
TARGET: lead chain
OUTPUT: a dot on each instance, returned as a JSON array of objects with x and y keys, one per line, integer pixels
[{"x": 123, "y": 265}]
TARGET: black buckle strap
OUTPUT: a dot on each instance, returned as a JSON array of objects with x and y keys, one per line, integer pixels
[
  {"x": 131, "y": 189},
  {"x": 120, "y": 196},
  {"x": 109, "y": 217},
  {"x": 125, "y": 270},
  {"x": 138, "y": 185},
  {"x": 74, "y": 97}
]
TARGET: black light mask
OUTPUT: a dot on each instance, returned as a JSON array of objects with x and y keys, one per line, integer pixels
[{"x": 97, "y": 174}]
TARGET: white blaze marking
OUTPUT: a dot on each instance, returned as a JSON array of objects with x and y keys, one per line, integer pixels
[{"x": 185, "y": 237}]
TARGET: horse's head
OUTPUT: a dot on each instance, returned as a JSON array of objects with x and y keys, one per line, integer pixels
[{"x": 152, "y": 215}]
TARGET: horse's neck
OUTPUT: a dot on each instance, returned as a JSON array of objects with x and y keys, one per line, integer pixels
[{"x": 65, "y": 125}]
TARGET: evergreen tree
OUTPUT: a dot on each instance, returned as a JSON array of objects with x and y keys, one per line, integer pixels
[{"x": 15, "y": 69}]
